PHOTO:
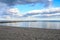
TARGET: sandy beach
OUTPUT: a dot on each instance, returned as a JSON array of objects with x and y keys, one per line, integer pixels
[{"x": 20, "y": 33}]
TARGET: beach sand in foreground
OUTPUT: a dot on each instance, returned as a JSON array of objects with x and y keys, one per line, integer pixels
[{"x": 20, "y": 33}]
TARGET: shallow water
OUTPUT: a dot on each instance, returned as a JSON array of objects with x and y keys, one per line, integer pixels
[{"x": 48, "y": 25}]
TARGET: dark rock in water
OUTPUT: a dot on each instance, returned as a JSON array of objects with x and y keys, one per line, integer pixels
[{"x": 16, "y": 33}]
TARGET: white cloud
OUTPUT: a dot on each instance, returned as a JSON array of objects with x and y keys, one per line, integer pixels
[
  {"x": 11, "y": 13},
  {"x": 47, "y": 12},
  {"x": 14, "y": 11}
]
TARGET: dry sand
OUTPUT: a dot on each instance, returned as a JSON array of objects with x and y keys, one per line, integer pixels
[{"x": 19, "y": 33}]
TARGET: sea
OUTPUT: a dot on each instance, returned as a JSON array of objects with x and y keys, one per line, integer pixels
[{"x": 38, "y": 24}]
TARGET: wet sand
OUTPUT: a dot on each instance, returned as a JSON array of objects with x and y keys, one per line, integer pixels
[{"x": 20, "y": 33}]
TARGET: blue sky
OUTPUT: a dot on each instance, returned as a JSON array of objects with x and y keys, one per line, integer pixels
[
  {"x": 56, "y": 3},
  {"x": 29, "y": 7}
]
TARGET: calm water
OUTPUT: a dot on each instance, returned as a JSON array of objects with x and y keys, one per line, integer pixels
[{"x": 49, "y": 25}]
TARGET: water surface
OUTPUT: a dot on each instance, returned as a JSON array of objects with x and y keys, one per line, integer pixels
[{"x": 49, "y": 25}]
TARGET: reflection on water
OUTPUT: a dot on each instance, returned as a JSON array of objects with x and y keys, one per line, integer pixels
[{"x": 49, "y": 25}]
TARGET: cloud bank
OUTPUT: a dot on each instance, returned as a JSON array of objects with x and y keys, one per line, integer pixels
[
  {"x": 6, "y": 5},
  {"x": 13, "y": 2},
  {"x": 12, "y": 13},
  {"x": 7, "y": 10},
  {"x": 45, "y": 12}
]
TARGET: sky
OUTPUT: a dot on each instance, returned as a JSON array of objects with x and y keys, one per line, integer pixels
[
  {"x": 18, "y": 8},
  {"x": 28, "y": 7}
]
